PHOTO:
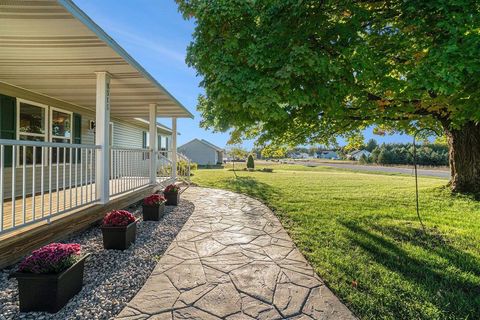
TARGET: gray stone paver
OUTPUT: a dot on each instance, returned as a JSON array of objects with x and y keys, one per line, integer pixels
[{"x": 233, "y": 260}]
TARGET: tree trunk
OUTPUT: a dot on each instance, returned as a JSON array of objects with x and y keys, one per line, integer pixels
[{"x": 464, "y": 152}]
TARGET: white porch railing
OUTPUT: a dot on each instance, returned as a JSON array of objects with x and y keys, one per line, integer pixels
[
  {"x": 39, "y": 180},
  {"x": 165, "y": 165},
  {"x": 129, "y": 169}
]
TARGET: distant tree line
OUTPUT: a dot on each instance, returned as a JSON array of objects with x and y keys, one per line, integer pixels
[{"x": 402, "y": 153}]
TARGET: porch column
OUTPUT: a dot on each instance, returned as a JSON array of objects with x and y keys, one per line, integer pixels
[
  {"x": 174, "y": 147},
  {"x": 102, "y": 136},
  {"x": 153, "y": 142}
]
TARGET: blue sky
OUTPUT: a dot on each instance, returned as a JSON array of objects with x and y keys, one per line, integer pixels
[{"x": 156, "y": 35}]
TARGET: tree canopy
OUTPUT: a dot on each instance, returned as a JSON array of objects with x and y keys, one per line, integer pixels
[{"x": 305, "y": 71}]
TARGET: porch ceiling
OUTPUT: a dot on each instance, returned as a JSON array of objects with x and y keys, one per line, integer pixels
[{"x": 53, "y": 48}]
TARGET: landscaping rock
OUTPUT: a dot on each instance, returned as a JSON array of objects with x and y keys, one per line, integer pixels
[{"x": 112, "y": 277}]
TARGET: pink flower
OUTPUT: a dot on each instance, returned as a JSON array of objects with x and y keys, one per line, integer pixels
[
  {"x": 52, "y": 258},
  {"x": 118, "y": 218},
  {"x": 154, "y": 200}
]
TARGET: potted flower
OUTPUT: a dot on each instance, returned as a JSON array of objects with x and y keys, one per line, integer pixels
[
  {"x": 50, "y": 277},
  {"x": 119, "y": 229},
  {"x": 153, "y": 207},
  {"x": 172, "y": 194}
]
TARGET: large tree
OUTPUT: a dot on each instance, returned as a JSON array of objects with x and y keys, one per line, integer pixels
[{"x": 307, "y": 71}]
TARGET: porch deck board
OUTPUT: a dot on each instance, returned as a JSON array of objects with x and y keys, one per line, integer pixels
[{"x": 66, "y": 201}]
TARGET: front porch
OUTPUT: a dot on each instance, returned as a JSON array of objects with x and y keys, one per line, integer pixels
[{"x": 78, "y": 126}]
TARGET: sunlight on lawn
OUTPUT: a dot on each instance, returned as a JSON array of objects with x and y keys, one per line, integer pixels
[{"x": 361, "y": 234}]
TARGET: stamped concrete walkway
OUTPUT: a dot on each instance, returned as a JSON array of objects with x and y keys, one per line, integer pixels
[{"x": 233, "y": 260}]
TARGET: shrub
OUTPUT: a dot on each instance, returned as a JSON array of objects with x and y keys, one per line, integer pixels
[
  {"x": 402, "y": 153},
  {"x": 118, "y": 218},
  {"x": 182, "y": 167},
  {"x": 171, "y": 188},
  {"x": 154, "y": 200},
  {"x": 250, "y": 162},
  {"x": 52, "y": 258}
]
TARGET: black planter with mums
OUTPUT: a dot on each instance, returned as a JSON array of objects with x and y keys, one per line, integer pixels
[
  {"x": 172, "y": 194},
  {"x": 153, "y": 213},
  {"x": 153, "y": 207},
  {"x": 50, "y": 277},
  {"x": 49, "y": 292},
  {"x": 119, "y": 230}
]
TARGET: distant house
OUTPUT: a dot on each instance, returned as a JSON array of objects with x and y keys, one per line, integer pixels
[
  {"x": 301, "y": 155},
  {"x": 328, "y": 154},
  {"x": 356, "y": 155},
  {"x": 202, "y": 152}
]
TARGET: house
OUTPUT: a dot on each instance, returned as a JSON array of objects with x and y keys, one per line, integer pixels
[
  {"x": 356, "y": 155},
  {"x": 202, "y": 152},
  {"x": 328, "y": 154},
  {"x": 78, "y": 125}
]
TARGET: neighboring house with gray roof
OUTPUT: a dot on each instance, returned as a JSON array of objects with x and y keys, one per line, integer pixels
[{"x": 202, "y": 152}]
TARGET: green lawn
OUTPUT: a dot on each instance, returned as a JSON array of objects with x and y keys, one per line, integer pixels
[{"x": 360, "y": 232}]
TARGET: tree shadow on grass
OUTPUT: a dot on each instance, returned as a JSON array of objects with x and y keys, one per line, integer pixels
[
  {"x": 448, "y": 276},
  {"x": 251, "y": 187}
]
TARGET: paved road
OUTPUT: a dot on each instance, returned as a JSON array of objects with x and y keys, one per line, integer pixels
[{"x": 421, "y": 172}]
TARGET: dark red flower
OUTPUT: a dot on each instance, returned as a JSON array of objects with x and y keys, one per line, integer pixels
[
  {"x": 118, "y": 218},
  {"x": 171, "y": 188},
  {"x": 154, "y": 200}
]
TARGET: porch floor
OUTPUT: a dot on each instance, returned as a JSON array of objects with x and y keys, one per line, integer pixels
[{"x": 62, "y": 202}]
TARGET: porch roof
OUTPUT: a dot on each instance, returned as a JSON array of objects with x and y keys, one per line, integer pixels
[{"x": 54, "y": 48}]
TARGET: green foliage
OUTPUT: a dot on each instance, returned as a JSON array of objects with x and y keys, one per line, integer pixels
[
  {"x": 182, "y": 167},
  {"x": 371, "y": 235},
  {"x": 363, "y": 159},
  {"x": 303, "y": 72},
  {"x": 273, "y": 152},
  {"x": 250, "y": 162},
  {"x": 354, "y": 142},
  {"x": 237, "y": 153},
  {"x": 397, "y": 153},
  {"x": 371, "y": 145}
]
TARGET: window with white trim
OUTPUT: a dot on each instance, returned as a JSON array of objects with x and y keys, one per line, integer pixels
[{"x": 31, "y": 126}]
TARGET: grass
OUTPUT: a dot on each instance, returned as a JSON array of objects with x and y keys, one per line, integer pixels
[{"x": 361, "y": 234}]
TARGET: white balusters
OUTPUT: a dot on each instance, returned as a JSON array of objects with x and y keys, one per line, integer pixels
[{"x": 68, "y": 184}]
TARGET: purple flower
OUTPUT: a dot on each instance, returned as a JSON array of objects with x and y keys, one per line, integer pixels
[{"x": 52, "y": 258}]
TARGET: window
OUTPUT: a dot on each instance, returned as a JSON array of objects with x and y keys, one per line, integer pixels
[
  {"x": 31, "y": 124},
  {"x": 61, "y": 131}
]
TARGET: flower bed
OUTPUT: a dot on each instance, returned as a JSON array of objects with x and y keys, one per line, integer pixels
[{"x": 112, "y": 277}]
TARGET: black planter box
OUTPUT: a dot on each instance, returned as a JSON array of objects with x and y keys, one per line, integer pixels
[
  {"x": 119, "y": 238},
  {"x": 153, "y": 213},
  {"x": 49, "y": 292},
  {"x": 172, "y": 198}
]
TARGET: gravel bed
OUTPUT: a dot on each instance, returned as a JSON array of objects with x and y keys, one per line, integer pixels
[{"x": 112, "y": 277}]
